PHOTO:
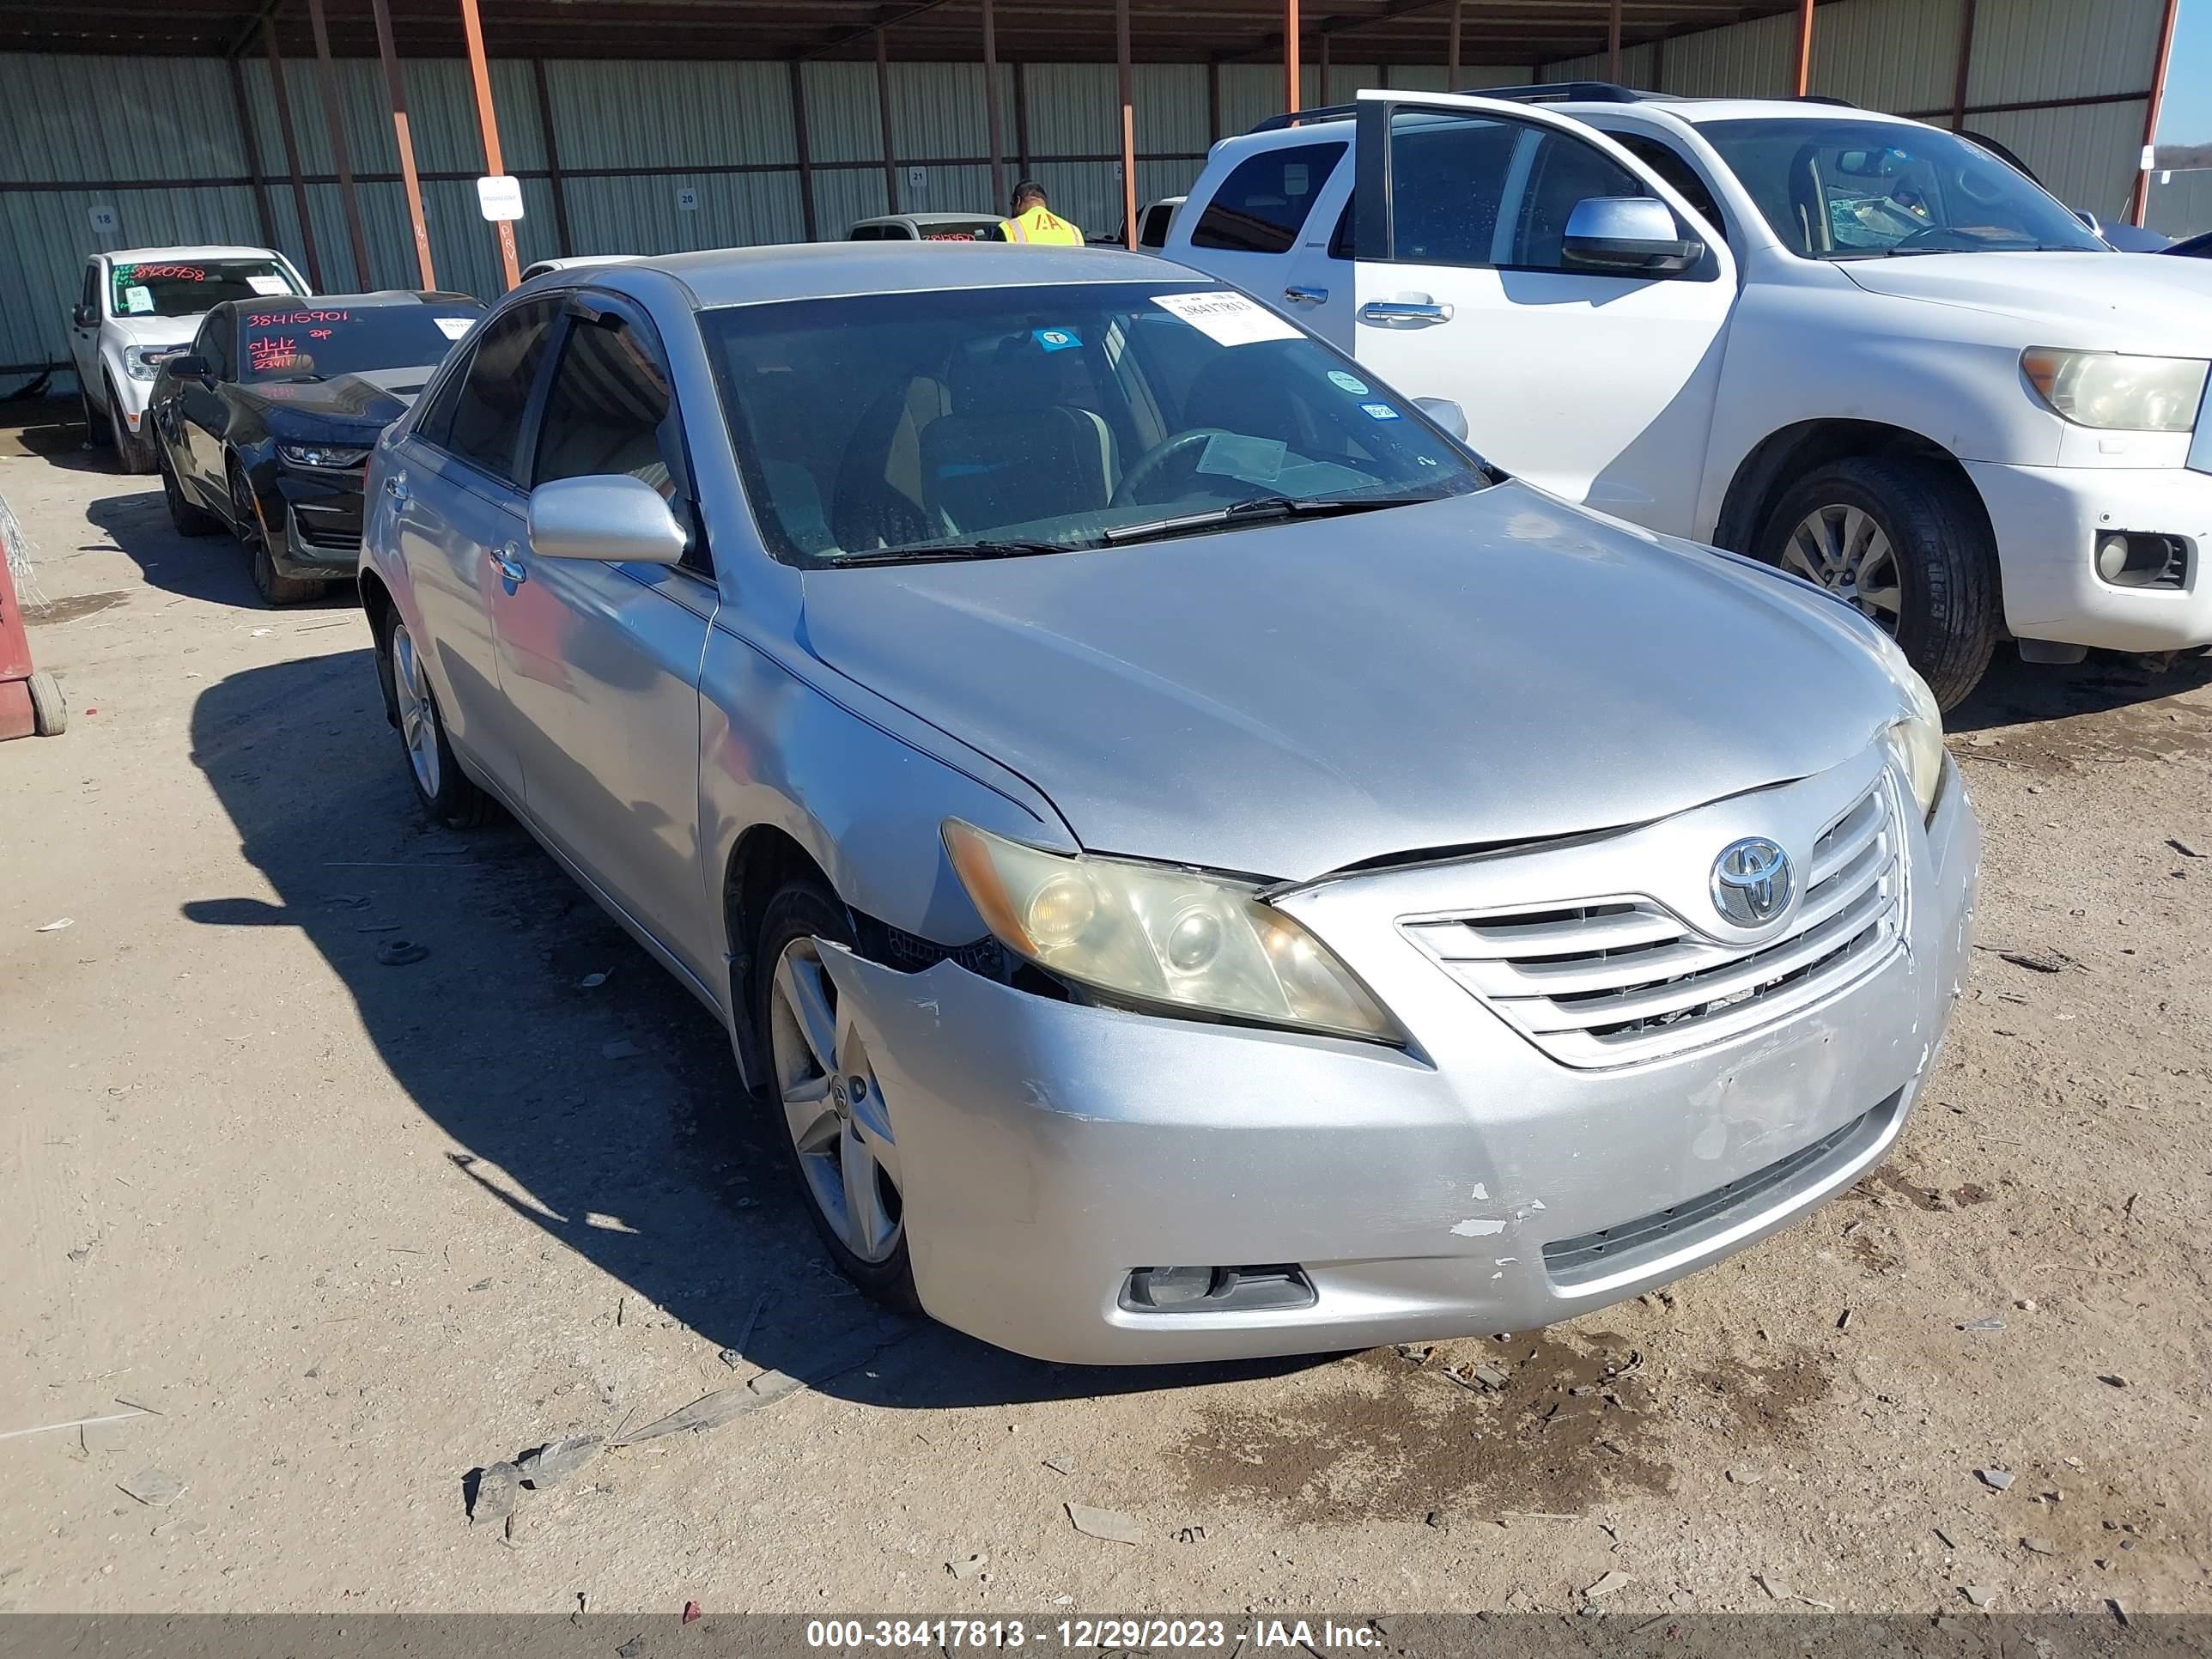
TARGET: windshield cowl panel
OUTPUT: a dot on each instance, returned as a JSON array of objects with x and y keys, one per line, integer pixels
[{"x": 1026, "y": 422}]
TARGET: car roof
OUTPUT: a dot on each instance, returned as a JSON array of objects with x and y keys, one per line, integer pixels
[
  {"x": 210, "y": 250},
  {"x": 382, "y": 297},
  {"x": 926, "y": 218},
  {"x": 811, "y": 271}
]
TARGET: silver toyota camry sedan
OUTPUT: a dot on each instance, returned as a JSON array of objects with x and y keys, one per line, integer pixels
[{"x": 1194, "y": 862}]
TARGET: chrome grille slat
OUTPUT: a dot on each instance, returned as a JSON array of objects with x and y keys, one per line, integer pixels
[{"x": 1619, "y": 980}]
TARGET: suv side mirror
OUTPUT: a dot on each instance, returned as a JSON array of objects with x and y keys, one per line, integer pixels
[
  {"x": 1446, "y": 414},
  {"x": 612, "y": 516},
  {"x": 83, "y": 315},
  {"x": 186, "y": 367},
  {"x": 2090, "y": 220},
  {"x": 1630, "y": 235}
]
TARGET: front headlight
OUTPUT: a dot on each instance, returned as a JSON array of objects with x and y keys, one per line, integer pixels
[
  {"x": 324, "y": 455},
  {"x": 144, "y": 362},
  {"x": 2110, "y": 389},
  {"x": 1917, "y": 739},
  {"x": 1161, "y": 936}
]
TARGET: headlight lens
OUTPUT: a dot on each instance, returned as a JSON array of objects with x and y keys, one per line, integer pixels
[
  {"x": 2107, "y": 389},
  {"x": 1918, "y": 738},
  {"x": 321, "y": 455},
  {"x": 1162, "y": 936},
  {"x": 144, "y": 362}
]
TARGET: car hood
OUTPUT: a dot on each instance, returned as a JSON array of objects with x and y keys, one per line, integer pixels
[
  {"x": 1288, "y": 700},
  {"x": 156, "y": 331},
  {"x": 375, "y": 398},
  {"x": 2092, "y": 301}
]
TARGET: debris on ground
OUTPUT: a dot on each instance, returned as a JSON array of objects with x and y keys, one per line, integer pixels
[
  {"x": 55, "y": 926},
  {"x": 690, "y": 1611},
  {"x": 156, "y": 1488},
  {"x": 550, "y": 1465},
  {"x": 1995, "y": 1480},
  {"x": 1060, "y": 1466},
  {"x": 2187, "y": 850},
  {"x": 1190, "y": 1534},
  {"x": 1980, "y": 1594},
  {"x": 2113, "y": 1379},
  {"x": 731, "y": 1357},
  {"x": 708, "y": 1411},
  {"x": 1608, "y": 1584},
  {"x": 1844, "y": 1320},
  {"x": 632, "y": 1648},
  {"x": 498, "y": 1485},
  {"x": 401, "y": 952},
  {"x": 1745, "y": 1477},
  {"x": 1483, "y": 1378},
  {"x": 2039, "y": 962},
  {"x": 1111, "y": 1525},
  {"x": 1987, "y": 1323},
  {"x": 591, "y": 982},
  {"x": 620, "y": 1049},
  {"x": 969, "y": 1568},
  {"x": 2039, "y": 1546},
  {"x": 1945, "y": 1539}
]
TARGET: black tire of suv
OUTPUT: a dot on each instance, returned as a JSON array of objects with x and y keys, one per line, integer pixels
[
  {"x": 1947, "y": 563},
  {"x": 806, "y": 909},
  {"x": 96, "y": 435},
  {"x": 134, "y": 452}
]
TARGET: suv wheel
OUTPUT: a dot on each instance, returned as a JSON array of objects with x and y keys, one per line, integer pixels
[
  {"x": 1905, "y": 543},
  {"x": 134, "y": 452},
  {"x": 828, "y": 1109},
  {"x": 96, "y": 435}
]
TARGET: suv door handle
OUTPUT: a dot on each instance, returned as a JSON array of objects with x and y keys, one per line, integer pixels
[
  {"x": 511, "y": 570},
  {"x": 396, "y": 487},
  {"x": 1298, "y": 293},
  {"x": 1404, "y": 313}
]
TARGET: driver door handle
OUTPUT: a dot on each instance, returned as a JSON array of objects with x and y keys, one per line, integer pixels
[
  {"x": 396, "y": 487},
  {"x": 1298, "y": 293},
  {"x": 508, "y": 559},
  {"x": 1404, "y": 313}
]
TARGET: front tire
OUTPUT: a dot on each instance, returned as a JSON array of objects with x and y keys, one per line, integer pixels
[
  {"x": 826, "y": 1107},
  {"x": 134, "y": 452},
  {"x": 246, "y": 522},
  {"x": 1908, "y": 544},
  {"x": 448, "y": 794},
  {"x": 189, "y": 518},
  {"x": 96, "y": 432}
]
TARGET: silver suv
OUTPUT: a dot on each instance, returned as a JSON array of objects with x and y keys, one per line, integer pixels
[{"x": 1194, "y": 861}]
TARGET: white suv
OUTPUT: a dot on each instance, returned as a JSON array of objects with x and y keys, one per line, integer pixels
[
  {"x": 1857, "y": 346},
  {"x": 143, "y": 305}
]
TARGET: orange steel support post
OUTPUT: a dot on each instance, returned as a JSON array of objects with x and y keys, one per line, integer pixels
[
  {"x": 2139, "y": 203},
  {"x": 326, "y": 82},
  {"x": 1804, "y": 46},
  {"x": 1451, "y": 50},
  {"x": 396, "y": 89},
  {"x": 1291, "y": 54},
  {"x": 1129, "y": 123},
  {"x": 991, "y": 104},
  {"x": 291, "y": 152},
  {"x": 488, "y": 124}
]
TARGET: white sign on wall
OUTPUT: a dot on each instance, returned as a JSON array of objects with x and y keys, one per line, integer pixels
[
  {"x": 687, "y": 200},
  {"x": 499, "y": 197},
  {"x": 917, "y": 178},
  {"x": 104, "y": 221}
]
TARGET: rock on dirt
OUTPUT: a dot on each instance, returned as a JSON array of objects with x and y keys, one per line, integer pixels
[
  {"x": 1111, "y": 1525},
  {"x": 496, "y": 1487},
  {"x": 550, "y": 1465}
]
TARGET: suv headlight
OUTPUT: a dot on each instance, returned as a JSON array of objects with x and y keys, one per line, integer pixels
[
  {"x": 1162, "y": 937},
  {"x": 144, "y": 362},
  {"x": 2110, "y": 389},
  {"x": 1917, "y": 739},
  {"x": 325, "y": 455}
]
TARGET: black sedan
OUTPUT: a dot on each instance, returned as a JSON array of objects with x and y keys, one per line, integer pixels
[{"x": 264, "y": 423}]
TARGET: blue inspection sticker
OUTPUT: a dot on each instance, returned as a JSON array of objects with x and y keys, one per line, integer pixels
[
  {"x": 1056, "y": 339},
  {"x": 1379, "y": 411},
  {"x": 1351, "y": 383}
]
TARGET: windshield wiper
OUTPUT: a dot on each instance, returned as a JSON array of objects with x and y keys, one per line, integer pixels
[
  {"x": 947, "y": 552},
  {"x": 1258, "y": 507}
]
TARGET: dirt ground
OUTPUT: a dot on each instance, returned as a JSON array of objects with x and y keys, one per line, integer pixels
[{"x": 345, "y": 1232}]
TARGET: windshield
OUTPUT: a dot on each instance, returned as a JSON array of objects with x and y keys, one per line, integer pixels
[
  {"x": 1855, "y": 190},
  {"x": 1039, "y": 420},
  {"x": 313, "y": 342},
  {"x": 187, "y": 288}
]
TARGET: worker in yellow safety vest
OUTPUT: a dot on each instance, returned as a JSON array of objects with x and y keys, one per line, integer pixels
[{"x": 1034, "y": 221}]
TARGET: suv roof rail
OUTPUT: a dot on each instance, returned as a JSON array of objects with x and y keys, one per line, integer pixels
[
  {"x": 1556, "y": 91},
  {"x": 1822, "y": 98}
]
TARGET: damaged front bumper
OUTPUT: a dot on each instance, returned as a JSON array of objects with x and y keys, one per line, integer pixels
[{"x": 1048, "y": 1149}]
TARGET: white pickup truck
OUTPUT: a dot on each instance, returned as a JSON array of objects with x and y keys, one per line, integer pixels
[
  {"x": 1859, "y": 347},
  {"x": 139, "y": 306}
]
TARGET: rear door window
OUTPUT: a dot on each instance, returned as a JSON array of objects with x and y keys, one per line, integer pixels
[
  {"x": 1263, "y": 202},
  {"x": 484, "y": 427}
]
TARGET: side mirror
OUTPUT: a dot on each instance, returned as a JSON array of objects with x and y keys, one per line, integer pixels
[
  {"x": 2090, "y": 220},
  {"x": 1631, "y": 235},
  {"x": 186, "y": 367},
  {"x": 1446, "y": 414},
  {"x": 83, "y": 316},
  {"x": 612, "y": 516}
]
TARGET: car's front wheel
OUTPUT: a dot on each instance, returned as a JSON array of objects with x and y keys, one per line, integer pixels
[
  {"x": 134, "y": 452},
  {"x": 275, "y": 587},
  {"x": 829, "y": 1111},
  {"x": 1905, "y": 542},
  {"x": 448, "y": 794}
]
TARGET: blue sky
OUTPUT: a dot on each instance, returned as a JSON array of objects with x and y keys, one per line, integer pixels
[{"x": 2185, "y": 118}]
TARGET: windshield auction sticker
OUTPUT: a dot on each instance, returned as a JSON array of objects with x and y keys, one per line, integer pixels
[{"x": 1229, "y": 319}]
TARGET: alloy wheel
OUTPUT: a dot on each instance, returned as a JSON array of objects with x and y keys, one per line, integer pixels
[
  {"x": 418, "y": 715},
  {"x": 832, "y": 1109},
  {"x": 1844, "y": 550},
  {"x": 244, "y": 518}
]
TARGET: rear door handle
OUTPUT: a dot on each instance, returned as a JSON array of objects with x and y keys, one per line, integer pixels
[
  {"x": 511, "y": 570},
  {"x": 1298, "y": 293},
  {"x": 1404, "y": 313},
  {"x": 396, "y": 487}
]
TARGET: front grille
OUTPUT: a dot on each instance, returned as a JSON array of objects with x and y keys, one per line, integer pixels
[
  {"x": 1611, "y": 981},
  {"x": 1634, "y": 1244}
]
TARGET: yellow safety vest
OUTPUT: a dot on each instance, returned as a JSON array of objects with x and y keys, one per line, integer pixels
[{"x": 1041, "y": 225}]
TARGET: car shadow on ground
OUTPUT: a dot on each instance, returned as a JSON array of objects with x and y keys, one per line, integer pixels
[
  {"x": 213, "y": 566},
  {"x": 52, "y": 430},
  {"x": 604, "y": 1111},
  {"x": 2132, "y": 690}
]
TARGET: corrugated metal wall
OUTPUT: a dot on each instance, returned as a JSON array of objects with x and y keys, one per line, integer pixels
[
  {"x": 657, "y": 157},
  {"x": 2181, "y": 202},
  {"x": 1902, "y": 55}
]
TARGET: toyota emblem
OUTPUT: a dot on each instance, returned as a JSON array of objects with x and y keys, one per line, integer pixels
[{"x": 1751, "y": 883}]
